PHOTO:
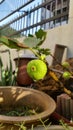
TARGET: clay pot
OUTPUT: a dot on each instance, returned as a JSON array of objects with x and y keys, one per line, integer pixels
[
  {"x": 11, "y": 97},
  {"x": 22, "y": 77}
]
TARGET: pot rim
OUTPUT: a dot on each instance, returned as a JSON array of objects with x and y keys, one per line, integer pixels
[
  {"x": 32, "y": 118},
  {"x": 25, "y": 57}
]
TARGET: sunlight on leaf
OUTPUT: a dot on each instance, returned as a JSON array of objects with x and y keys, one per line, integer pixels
[{"x": 31, "y": 41}]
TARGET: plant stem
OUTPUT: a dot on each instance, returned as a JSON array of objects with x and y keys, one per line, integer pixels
[{"x": 34, "y": 52}]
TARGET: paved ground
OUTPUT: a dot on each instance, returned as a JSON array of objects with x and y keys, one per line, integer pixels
[{"x": 52, "y": 127}]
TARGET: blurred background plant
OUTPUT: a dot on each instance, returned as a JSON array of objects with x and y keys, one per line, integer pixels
[{"x": 8, "y": 77}]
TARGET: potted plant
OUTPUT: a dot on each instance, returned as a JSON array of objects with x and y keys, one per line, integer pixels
[
  {"x": 38, "y": 69},
  {"x": 13, "y": 99},
  {"x": 34, "y": 44},
  {"x": 8, "y": 77}
]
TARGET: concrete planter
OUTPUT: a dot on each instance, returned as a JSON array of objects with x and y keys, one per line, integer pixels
[{"x": 11, "y": 97}]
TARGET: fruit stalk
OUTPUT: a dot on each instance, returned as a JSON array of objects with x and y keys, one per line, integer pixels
[{"x": 35, "y": 53}]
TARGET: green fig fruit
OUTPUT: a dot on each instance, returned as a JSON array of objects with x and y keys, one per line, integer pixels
[
  {"x": 65, "y": 64},
  {"x": 37, "y": 69},
  {"x": 66, "y": 75}
]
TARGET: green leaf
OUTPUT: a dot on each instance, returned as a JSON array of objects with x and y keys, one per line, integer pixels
[
  {"x": 36, "y": 40},
  {"x": 41, "y": 35},
  {"x": 45, "y": 51},
  {"x": 8, "y": 42},
  {"x": 1, "y": 63},
  {"x": 12, "y": 43},
  {"x": 30, "y": 35},
  {"x": 7, "y": 76},
  {"x": 3, "y": 76},
  {"x": 31, "y": 41}
]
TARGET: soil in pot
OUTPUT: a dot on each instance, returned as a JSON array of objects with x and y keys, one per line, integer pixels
[{"x": 20, "y": 111}]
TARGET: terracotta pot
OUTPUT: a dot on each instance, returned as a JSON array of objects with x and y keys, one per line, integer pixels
[
  {"x": 11, "y": 97},
  {"x": 22, "y": 77}
]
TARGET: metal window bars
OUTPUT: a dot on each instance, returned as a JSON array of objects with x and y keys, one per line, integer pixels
[{"x": 46, "y": 15}]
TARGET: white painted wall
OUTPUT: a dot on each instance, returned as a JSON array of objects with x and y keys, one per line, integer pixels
[{"x": 62, "y": 35}]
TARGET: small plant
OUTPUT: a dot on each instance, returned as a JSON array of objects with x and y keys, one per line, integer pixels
[
  {"x": 8, "y": 78},
  {"x": 21, "y": 126},
  {"x": 20, "y": 111},
  {"x": 64, "y": 125},
  {"x": 1, "y": 126}
]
